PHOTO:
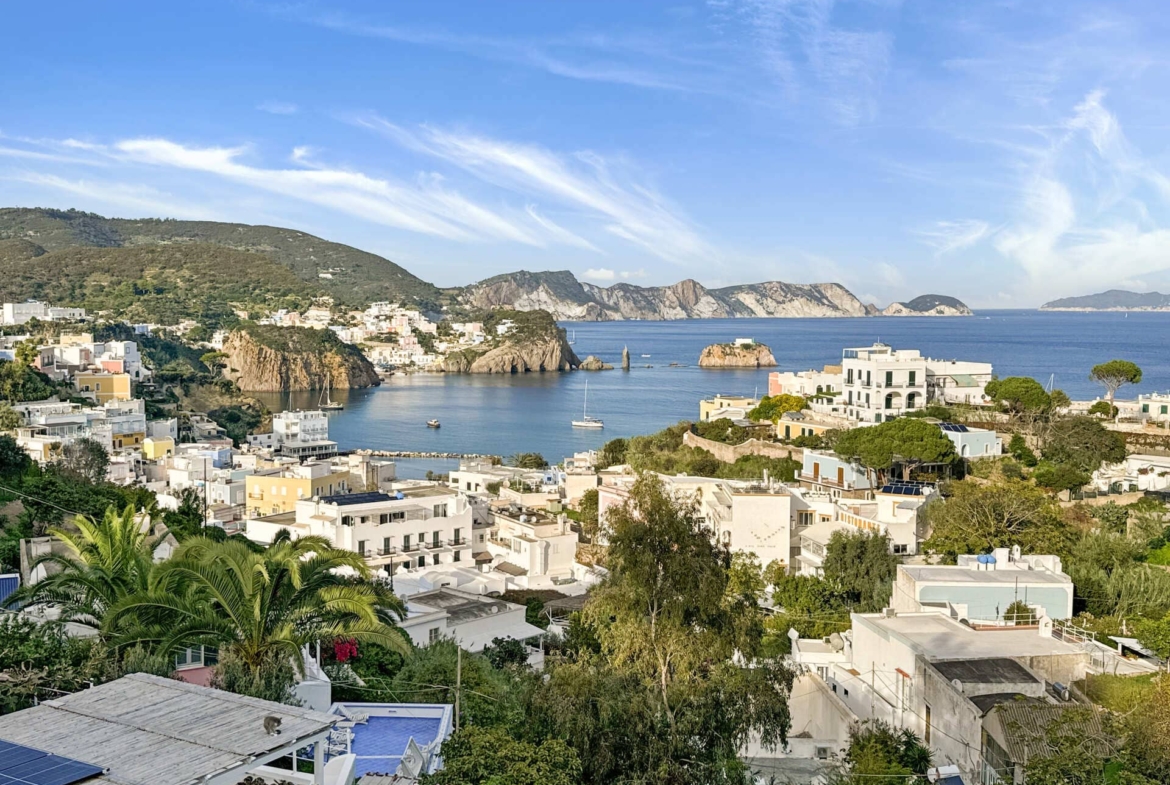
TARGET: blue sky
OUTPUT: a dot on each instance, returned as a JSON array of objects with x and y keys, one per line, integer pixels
[{"x": 1002, "y": 152}]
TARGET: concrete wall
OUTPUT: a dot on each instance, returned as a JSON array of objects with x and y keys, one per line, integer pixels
[
  {"x": 983, "y": 601},
  {"x": 956, "y": 725},
  {"x": 731, "y": 453}
]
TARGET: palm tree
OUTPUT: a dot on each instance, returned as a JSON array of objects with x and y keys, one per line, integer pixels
[
  {"x": 259, "y": 608},
  {"x": 107, "y": 562}
]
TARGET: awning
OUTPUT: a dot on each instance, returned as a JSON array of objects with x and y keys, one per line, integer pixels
[
  {"x": 511, "y": 569},
  {"x": 481, "y": 557}
]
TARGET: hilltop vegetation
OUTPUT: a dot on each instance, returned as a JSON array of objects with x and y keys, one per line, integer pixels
[
  {"x": 356, "y": 277},
  {"x": 163, "y": 284}
]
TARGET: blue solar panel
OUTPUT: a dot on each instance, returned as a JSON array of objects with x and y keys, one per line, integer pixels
[
  {"x": 903, "y": 488},
  {"x": 953, "y": 427},
  {"x": 20, "y": 765}
]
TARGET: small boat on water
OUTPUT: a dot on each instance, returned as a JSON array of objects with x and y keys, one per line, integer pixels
[
  {"x": 586, "y": 421},
  {"x": 645, "y": 355},
  {"x": 327, "y": 404},
  {"x": 432, "y": 423}
]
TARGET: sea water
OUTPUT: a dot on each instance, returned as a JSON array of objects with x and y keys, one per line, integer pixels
[{"x": 532, "y": 412}]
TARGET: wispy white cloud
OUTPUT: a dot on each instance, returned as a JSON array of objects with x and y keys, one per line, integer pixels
[
  {"x": 627, "y": 207},
  {"x": 1090, "y": 213},
  {"x": 600, "y": 274},
  {"x": 133, "y": 199},
  {"x": 809, "y": 57},
  {"x": 591, "y": 58},
  {"x": 948, "y": 236},
  {"x": 278, "y": 107}
]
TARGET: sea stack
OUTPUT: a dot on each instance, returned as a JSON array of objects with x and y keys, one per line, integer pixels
[
  {"x": 625, "y": 358},
  {"x": 742, "y": 353}
]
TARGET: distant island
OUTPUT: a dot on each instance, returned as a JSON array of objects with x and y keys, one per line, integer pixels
[
  {"x": 1112, "y": 300},
  {"x": 561, "y": 294}
]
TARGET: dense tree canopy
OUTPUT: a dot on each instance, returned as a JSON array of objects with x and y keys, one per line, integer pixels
[
  {"x": 904, "y": 442},
  {"x": 1082, "y": 443},
  {"x": 860, "y": 567},
  {"x": 773, "y": 407},
  {"x": 976, "y": 518},
  {"x": 1019, "y": 394}
]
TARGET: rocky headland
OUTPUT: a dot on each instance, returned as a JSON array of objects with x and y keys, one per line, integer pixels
[
  {"x": 278, "y": 359},
  {"x": 532, "y": 343}
]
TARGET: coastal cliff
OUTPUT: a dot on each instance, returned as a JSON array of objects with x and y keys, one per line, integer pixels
[
  {"x": 566, "y": 298},
  {"x": 727, "y": 355},
  {"x": 278, "y": 359},
  {"x": 529, "y": 342}
]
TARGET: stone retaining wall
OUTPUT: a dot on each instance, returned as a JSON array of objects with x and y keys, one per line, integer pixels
[{"x": 730, "y": 453}]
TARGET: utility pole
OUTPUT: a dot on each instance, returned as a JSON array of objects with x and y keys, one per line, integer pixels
[{"x": 458, "y": 682}]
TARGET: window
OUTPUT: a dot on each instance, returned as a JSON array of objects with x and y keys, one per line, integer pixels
[
  {"x": 926, "y": 731},
  {"x": 361, "y": 547},
  {"x": 1145, "y": 408},
  {"x": 456, "y": 536},
  {"x": 849, "y": 376},
  {"x": 422, "y": 561},
  {"x": 455, "y": 556},
  {"x": 435, "y": 541},
  {"x": 432, "y": 634},
  {"x": 1162, "y": 409},
  {"x": 889, "y": 378},
  {"x": 913, "y": 374},
  {"x": 435, "y": 559},
  {"x": 406, "y": 542},
  {"x": 823, "y": 753},
  {"x": 385, "y": 545},
  {"x": 347, "y": 520},
  {"x": 900, "y": 550},
  {"x": 440, "y": 510}
]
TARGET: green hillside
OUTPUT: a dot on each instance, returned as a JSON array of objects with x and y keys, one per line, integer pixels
[
  {"x": 163, "y": 284},
  {"x": 357, "y": 277}
]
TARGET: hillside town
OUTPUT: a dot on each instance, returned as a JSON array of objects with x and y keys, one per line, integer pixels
[{"x": 917, "y": 545}]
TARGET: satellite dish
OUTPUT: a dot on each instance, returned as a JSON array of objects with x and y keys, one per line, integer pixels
[
  {"x": 836, "y": 641},
  {"x": 958, "y": 685}
]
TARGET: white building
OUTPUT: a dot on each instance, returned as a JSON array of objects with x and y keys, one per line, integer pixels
[
  {"x": 980, "y": 589},
  {"x": 473, "y": 621},
  {"x": 1139, "y": 472},
  {"x": 806, "y": 383},
  {"x": 830, "y": 473},
  {"x": 536, "y": 549},
  {"x": 19, "y": 313},
  {"x": 413, "y": 528},
  {"x": 881, "y": 382},
  {"x": 753, "y": 517},
  {"x": 939, "y": 678},
  {"x": 298, "y": 434},
  {"x": 972, "y": 443}
]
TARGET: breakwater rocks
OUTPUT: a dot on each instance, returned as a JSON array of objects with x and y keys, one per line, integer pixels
[{"x": 459, "y": 456}]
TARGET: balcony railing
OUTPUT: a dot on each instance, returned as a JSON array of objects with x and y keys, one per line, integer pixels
[
  {"x": 387, "y": 551},
  {"x": 410, "y": 548},
  {"x": 457, "y": 541}
]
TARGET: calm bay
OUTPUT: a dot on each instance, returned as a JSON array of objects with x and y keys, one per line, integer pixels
[{"x": 532, "y": 412}]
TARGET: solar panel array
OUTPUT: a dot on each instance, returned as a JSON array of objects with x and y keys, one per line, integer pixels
[
  {"x": 903, "y": 488},
  {"x": 20, "y": 765},
  {"x": 953, "y": 427}
]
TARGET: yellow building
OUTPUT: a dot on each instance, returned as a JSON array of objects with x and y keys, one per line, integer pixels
[
  {"x": 794, "y": 424},
  {"x": 734, "y": 406},
  {"x": 103, "y": 386},
  {"x": 153, "y": 449},
  {"x": 274, "y": 491}
]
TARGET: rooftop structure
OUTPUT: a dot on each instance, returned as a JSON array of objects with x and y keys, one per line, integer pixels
[
  {"x": 401, "y": 740},
  {"x": 147, "y": 730},
  {"x": 470, "y": 620},
  {"x": 980, "y": 589}
]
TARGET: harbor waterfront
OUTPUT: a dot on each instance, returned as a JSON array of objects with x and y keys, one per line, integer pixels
[{"x": 505, "y": 414}]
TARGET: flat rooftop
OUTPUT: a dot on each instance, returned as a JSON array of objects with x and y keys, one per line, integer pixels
[
  {"x": 938, "y": 638},
  {"x": 930, "y": 573},
  {"x": 995, "y": 670}
]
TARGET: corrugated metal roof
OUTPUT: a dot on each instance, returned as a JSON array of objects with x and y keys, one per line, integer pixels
[
  {"x": 1026, "y": 726},
  {"x": 147, "y": 730}
]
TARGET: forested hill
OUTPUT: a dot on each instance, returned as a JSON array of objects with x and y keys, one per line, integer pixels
[{"x": 354, "y": 277}]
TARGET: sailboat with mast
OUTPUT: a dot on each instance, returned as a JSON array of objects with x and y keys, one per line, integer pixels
[
  {"x": 586, "y": 421},
  {"x": 326, "y": 403}
]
